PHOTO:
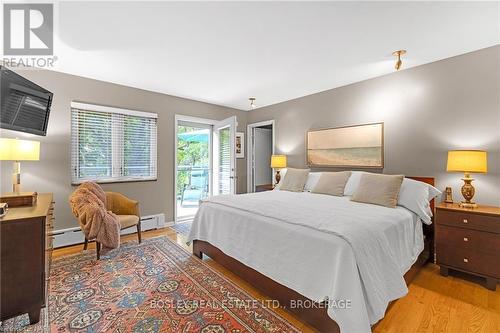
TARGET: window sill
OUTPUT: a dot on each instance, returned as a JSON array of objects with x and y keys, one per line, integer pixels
[{"x": 111, "y": 181}]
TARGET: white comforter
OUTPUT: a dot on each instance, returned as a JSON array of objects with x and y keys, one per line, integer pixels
[{"x": 320, "y": 246}]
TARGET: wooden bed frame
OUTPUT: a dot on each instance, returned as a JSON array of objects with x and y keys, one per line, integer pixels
[{"x": 315, "y": 316}]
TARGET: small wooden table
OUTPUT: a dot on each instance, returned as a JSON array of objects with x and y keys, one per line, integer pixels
[{"x": 468, "y": 240}]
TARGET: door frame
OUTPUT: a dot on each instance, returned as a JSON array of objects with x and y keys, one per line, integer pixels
[
  {"x": 250, "y": 148},
  {"x": 190, "y": 119}
]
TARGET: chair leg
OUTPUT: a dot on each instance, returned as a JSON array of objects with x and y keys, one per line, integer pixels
[
  {"x": 85, "y": 243},
  {"x": 98, "y": 249},
  {"x": 139, "y": 231}
]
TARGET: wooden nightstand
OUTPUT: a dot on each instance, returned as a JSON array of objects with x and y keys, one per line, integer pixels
[
  {"x": 264, "y": 187},
  {"x": 468, "y": 240}
]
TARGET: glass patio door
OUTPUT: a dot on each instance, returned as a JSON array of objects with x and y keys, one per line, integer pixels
[
  {"x": 224, "y": 175},
  {"x": 194, "y": 141}
]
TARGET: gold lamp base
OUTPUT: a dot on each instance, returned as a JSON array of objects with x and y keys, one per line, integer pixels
[
  {"x": 468, "y": 204},
  {"x": 277, "y": 178},
  {"x": 16, "y": 177},
  {"x": 468, "y": 192}
]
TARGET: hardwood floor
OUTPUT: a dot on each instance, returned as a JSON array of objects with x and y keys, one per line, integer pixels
[{"x": 457, "y": 303}]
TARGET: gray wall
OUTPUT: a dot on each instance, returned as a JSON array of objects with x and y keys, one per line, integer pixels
[
  {"x": 52, "y": 172},
  {"x": 427, "y": 110}
]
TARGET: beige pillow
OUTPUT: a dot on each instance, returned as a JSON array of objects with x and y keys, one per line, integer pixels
[
  {"x": 294, "y": 180},
  {"x": 332, "y": 183},
  {"x": 378, "y": 189}
]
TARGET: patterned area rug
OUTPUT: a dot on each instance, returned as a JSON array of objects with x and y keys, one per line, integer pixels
[
  {"x": 182, "y": 228},
  {"x": 156, "y": 286},
  {"x": 22, "y": 324}
]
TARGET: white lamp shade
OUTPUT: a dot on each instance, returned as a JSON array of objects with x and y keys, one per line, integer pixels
[{"x": 19, "y": 150}]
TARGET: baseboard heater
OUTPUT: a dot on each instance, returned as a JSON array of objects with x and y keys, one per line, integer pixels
[{"x": 72, "y": 236}]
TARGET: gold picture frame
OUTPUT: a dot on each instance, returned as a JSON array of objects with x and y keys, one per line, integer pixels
[{"x": 355, "y": 146}]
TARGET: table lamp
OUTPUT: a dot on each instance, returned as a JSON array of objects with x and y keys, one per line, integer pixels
[
  {"x": 18, "y": 150},
  {"x": 467, "y": 161},
  {"x": 278, "y": 162}
]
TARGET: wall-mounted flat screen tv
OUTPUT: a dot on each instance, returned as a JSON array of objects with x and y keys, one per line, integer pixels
[{"x": 25, "y": 106}]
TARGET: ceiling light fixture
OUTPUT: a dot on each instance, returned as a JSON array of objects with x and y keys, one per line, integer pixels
[
  {"x": 398, "y": 54},
  {"x": 252, "y": 102}
]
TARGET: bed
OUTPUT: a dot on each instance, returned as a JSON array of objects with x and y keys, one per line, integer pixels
[{"x": 281, "y": 244}]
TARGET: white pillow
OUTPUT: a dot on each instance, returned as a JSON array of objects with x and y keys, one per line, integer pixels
[
  {"x": 416, "y": 196},
  {"x": 353, "y": 182},
  {"x": 312, "y": 180},
  {"x": 413, "y": 195}
]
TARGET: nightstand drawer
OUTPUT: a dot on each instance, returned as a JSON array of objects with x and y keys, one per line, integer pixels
[
  {"x": 468, "y": 220},
  {"x": 457, "y": 237},
  {"x": 467, "y": 239},
  {"x": 490, "y": 243},
  {"x": 470, "y": 261}
]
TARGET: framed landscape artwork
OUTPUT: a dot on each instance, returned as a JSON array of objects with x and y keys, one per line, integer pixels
[{"x": 360, "y": 146}]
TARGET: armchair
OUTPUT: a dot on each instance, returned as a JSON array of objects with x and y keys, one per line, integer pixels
[{"x": 128, "y": 214}]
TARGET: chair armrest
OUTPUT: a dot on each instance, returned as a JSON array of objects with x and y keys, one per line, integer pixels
[{"x": 121, "y": 205}]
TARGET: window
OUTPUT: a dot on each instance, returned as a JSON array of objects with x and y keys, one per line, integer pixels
[{"x": 112, "y": 145}]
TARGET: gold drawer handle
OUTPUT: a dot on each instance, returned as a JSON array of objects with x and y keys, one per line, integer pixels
[
  {"x": 466, "y": 239},
  {"x": 465, "y": 221},
  {"x": 466, "y": 260}
]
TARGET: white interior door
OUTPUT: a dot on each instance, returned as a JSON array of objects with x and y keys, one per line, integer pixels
[{"x": 224, "y": 157}]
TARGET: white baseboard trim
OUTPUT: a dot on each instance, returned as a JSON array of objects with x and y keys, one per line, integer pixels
[
  {"x": 72, "y": 236},
  {"x": 65, "y": 237}
]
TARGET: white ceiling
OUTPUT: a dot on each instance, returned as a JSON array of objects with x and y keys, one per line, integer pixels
[{"x": 225, "y": 52}]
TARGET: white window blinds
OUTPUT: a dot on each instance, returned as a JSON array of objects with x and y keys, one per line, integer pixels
[
  {"x": 112, "y": 145},
  {"x": 224, "y": 161}
]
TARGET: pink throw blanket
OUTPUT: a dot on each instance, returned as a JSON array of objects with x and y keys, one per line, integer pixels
[{"x": 88, "y": 203}]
